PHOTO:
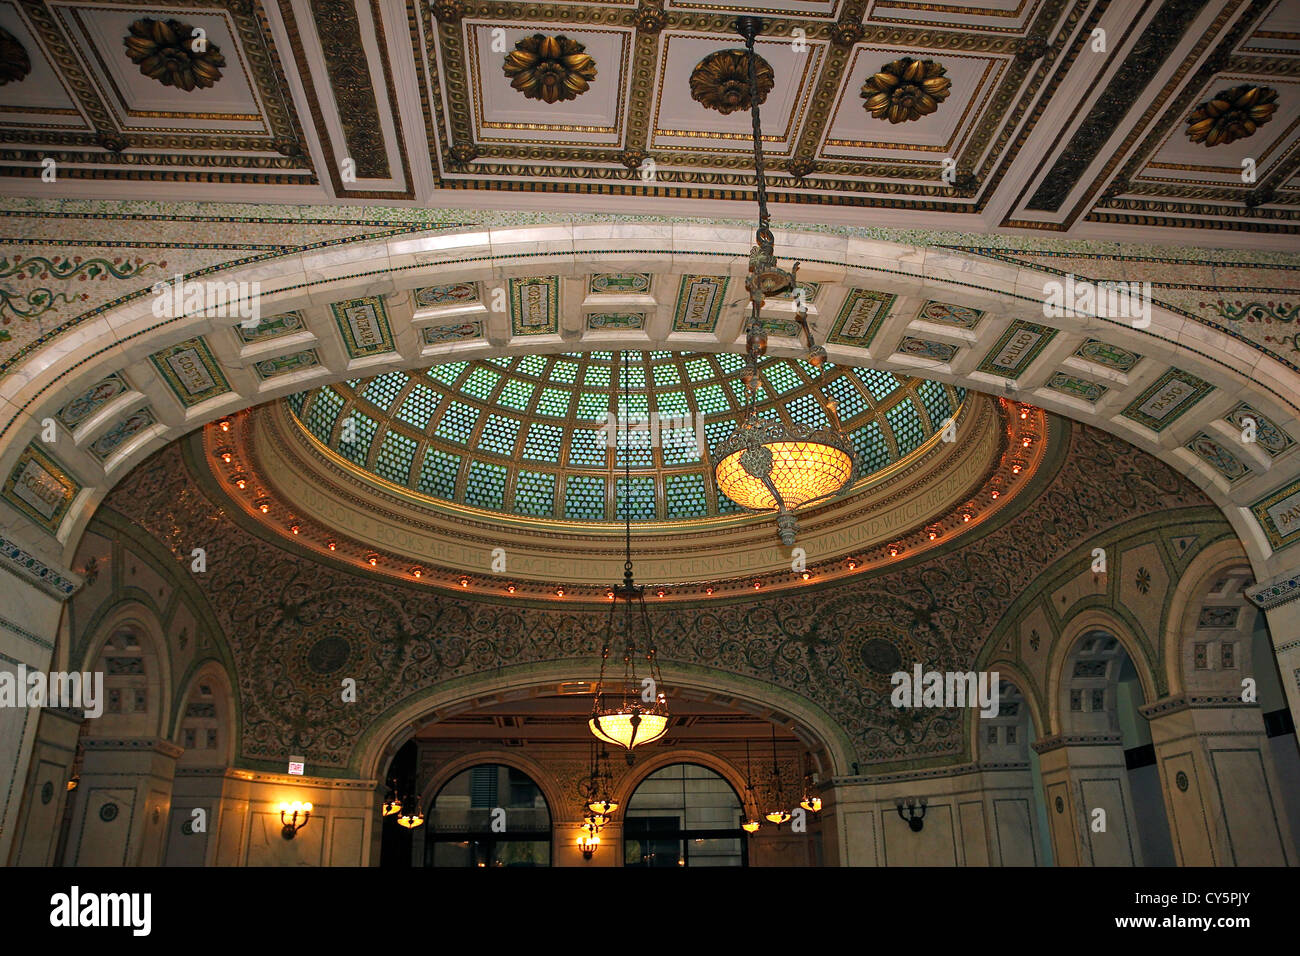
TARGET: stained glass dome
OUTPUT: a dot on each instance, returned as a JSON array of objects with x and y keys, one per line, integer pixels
[{"x": 534, "y": 435}]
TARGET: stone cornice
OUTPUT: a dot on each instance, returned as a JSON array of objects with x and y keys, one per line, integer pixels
[
  {"x": 289, "y": 780},
  {"x": 56, "y": 582},
  {"x": 1172, "y": 705},
  {"x": 1277, "y": 592},
  {"x": 1048, "y": 744},
  {"x": 164, "y": 747}
]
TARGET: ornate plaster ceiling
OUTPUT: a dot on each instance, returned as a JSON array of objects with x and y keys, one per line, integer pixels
[{"x": 1062, "y": 115}]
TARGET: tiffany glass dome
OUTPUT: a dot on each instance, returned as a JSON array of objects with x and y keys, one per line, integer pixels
[{"x": 531, "y": 435}]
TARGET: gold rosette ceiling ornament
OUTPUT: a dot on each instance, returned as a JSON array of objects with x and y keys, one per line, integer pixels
[
  {"x": 173, "y": 53},
  {"x": 549, "y": 68},
  {"x": 905, "y": 90},
  {"x": 721, "y": 80},
  {"x": 1232, "y": 115},
  {"x": 14, "y": 61}
]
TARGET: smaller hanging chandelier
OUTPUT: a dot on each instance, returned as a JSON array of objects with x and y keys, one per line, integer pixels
[
  {"x": 391, "y": 803},
  {"x": 600, "y": 793},
  {"x": 811, "y": 801},
  {"x": 596, "y": 808},
  {"x": 767, "y": 465},
  {"x": 633, "y": 711},
  {"x": 750, "y": 824},
  {"x": 410, "y": 815},
  {"x": 776, "y": 801}
]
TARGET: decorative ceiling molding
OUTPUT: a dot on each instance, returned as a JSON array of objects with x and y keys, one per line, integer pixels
[{"x": 928, "y": 501}]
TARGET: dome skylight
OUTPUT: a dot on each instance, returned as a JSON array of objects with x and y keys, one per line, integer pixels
[{"x": 523, "y": 435}]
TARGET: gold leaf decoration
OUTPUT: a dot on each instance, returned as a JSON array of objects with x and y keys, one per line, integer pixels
[
  {"x": 14, "y": 62},
  {"x": 905, "y": 90},
  {"x": 1232, "y": 115},
  {"x": 721, "y": 81},
  {"x": 549, "y": 68},
  {"x": 169, "y": 52}
]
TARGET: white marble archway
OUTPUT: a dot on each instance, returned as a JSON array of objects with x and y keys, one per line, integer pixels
[{"x": 123, "y": 339}]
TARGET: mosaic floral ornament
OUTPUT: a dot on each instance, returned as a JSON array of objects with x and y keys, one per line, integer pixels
[
  {"x": 549, "y": 68},
  {"x": 31, "y": 303},
  {"x": 906, "y": 90},
  {"x": 168, "y": 51},
  {"x": 1232, "y": 115},
  {"x": 721, "y": 81},
  {"x": 14, "y": 62}
]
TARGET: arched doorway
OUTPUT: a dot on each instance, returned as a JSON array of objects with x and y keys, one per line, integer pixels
[
  {"x": 684, "y": 815},
  {"x": 488, "y": 815},
  {"x": 1118, "y": 804}
]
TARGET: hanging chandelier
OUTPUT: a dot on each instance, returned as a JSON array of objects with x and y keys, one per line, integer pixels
[
  {"x": 750, "y": 824},
  {"x": 776, "y": 802},
  {"x": 811, "y": 800},
  {"x": 768, "y": 465},
  {"x": 633, "y": 711},
  {"x": 410, "y": 816},
  {"x": 599, "y": 792},
  {"x": 597, "y": 804}
]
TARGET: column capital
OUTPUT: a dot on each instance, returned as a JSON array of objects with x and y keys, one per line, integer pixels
[{"x": 1275, "y": 593}]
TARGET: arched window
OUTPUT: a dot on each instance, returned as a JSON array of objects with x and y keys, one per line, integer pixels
[
  {"x": 684, "y": 815},
  {"x": 489, "y": 815}
]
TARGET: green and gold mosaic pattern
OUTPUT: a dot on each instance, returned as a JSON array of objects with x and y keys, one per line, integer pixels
[{"x": 523, "y": 434}]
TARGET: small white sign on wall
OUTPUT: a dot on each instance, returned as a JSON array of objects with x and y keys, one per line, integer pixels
[{"x": 296, "y": 765}]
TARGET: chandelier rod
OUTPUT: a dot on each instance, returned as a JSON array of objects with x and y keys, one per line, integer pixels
[{"x": 749, "y": 28}]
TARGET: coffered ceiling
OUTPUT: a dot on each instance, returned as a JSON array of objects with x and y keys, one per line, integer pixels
[{"x": 1060, "y": 115}]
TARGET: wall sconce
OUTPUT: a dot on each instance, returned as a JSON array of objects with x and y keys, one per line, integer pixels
[
  {"x": 292, "y": 826},
  {"x": 587, "y": 843},
  {"x": 915, "y": 815}
]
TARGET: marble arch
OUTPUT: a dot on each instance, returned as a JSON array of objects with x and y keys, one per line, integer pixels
[
  {"x": 375, "y": 749},
  {"x": 1065, "y": 650},
  {"x": 135, "y": 617},
  {"x": 643, "y": 769},
  {"x": 125, "y": 336},
  {"x": 1016, "y": 675},
  {"x": 1192, "y": 588},
  {"x": 519, "y": 761}
]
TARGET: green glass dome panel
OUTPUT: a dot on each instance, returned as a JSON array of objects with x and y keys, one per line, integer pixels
[{"x": 529, "y": 435}]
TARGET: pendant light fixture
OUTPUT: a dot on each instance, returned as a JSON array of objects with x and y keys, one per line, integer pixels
[
  {"x": 750, "y": 824},
  {"x": 410, "y": 815},
  {"x": 633, "y": 711},
  {"x": 776, "y": 802},
  {"x": 601, "y": 796},
  {"x": 391, "y": 803},
  {"x": 811, "y": 801},
  {"x": 766, "y": 464}
]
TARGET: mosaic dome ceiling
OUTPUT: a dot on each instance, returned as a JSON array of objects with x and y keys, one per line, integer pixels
[{"x": 522, "y": 435}]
